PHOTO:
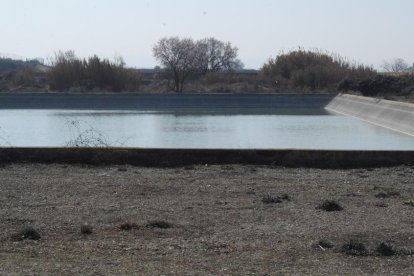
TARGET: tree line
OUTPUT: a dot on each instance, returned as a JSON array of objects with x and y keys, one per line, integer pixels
[
  {"x": 191, "y": 65},
  {"x": 314, "y": 70}
]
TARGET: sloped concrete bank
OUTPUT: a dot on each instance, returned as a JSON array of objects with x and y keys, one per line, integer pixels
[
  {"x": 397, "y": 116},
  {"x": 185, "y": 157},
  {"x": 132, "y": 101}
]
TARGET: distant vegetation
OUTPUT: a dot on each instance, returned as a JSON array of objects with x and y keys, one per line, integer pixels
[
  {"x": 207, "y": 66},
  {"x": 397, "y": 65},
  {"x": 184, "y": 59},
  {"x": 316, "y": 70},
  {"x": 68, "y": 72},
  {"x": 18, "y": 74},
  {"x": 312, "y": 70},
  {"x": 386, "y": 86},
  {"x": 8, "y": 65}
]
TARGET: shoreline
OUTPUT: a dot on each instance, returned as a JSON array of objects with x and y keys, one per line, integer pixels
[{"x": 185, "y": 157}]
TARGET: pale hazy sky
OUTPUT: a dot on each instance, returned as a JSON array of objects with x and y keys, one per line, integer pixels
[{"x": 368, "y": 31}]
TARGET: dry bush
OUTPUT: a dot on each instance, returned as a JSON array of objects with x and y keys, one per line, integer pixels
[
  {"x": 86, "y": 229},
  {"x": 67, "y": 71},
  {"x": 27, "y": 233},
  {"x": 330, "y": 206},
  {"x": 159, "y": 224},
  {"x": 312, "y": 69}
]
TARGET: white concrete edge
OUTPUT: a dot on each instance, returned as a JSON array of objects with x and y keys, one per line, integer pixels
[
  {"x": 370, "y": 122},
  {"x": 376, "y": 100},
  {"x": 390, "y": 105}
]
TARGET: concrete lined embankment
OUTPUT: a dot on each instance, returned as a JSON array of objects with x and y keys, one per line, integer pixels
[
  {"x": 130, "y": 101},
  {"x": 397, "y": 116}
]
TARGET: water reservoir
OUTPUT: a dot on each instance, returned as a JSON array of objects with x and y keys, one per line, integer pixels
[{"x": 288, "y": 122}]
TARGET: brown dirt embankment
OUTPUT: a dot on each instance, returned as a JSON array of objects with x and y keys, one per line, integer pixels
[
  {"x": 219, "y": 220},
  {"x": 184, "y": 157}
]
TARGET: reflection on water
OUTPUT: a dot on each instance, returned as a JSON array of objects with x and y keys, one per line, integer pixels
[{"x": 306, "y": 129}]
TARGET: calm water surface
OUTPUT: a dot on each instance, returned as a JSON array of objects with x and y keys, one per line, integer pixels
[{"x": 51, "y": 128}]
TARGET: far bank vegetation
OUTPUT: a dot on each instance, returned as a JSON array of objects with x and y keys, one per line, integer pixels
[
  {"x": 312, "y": 70},
  {"x": 210, "y": 66},
  {"x": 315, "y": 70},
  {"x": 68, "y": 72},
  {"x": 185, "y": 59}
]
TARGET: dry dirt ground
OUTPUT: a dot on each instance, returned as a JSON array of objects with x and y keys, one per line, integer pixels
[{"x": 220, "y": 224}]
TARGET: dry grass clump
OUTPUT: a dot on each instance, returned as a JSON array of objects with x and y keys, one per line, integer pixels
[
  {"x": 330, "y": 206},
  {"x": 409, "y": 203},
  {"x": 385, "y": 249},
  {"x": 27, "y": 233},
  {"x": 381, "y": 204},
  {"x": 325, "y": 244},
  {"x": 86, "y": 229},
  {"x": 387, "y": 194},
  {"x": 127, "y": 226},
  {"x": 159, "y": 224},
  {"x": 269, "y": 199},
  {"x": 354, "y": 247}
]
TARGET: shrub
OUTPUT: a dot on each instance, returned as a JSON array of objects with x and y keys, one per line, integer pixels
[
  {"x": 313, "y": 69},
  {"x": 379, "y": 85},
  {"x": 23, "y": 77},
  {"x": 67, "y": 71}
]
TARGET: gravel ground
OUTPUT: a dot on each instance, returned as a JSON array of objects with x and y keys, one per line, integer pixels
[{"x": 221, "y": 220}]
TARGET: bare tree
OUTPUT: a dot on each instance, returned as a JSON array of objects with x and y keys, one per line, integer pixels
[
  {"x": 396, "y": 65},
  {"x": 216, "y": 55},
  {"x": 177, "y": 56},
  {"x": 184, "y": 58}
]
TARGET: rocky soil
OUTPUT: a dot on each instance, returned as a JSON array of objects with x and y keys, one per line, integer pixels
[{"x": 205, "y": 220}]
